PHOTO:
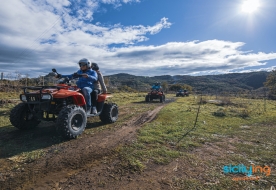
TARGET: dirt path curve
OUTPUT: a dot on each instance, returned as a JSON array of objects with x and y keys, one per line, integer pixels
[
  {"x": 71, "y": 157},
  {"x": 127, "y": 132}
]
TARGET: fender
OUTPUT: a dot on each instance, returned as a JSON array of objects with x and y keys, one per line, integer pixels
[
  {"x": 102, "y": 97},
  {"x": 79, "y": 100},
  {"x": 77, "y": 97}
]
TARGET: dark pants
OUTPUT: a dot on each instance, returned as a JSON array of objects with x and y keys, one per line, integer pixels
[{"x": 94, "y": 96}]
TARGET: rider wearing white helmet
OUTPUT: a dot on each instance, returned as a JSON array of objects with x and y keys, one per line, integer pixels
[{"x": 85, "y": 83}]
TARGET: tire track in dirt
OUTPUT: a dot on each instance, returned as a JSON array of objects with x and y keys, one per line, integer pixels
[
  {"x": 63, "y": 160},
  {"x": 128, "y": 131}
]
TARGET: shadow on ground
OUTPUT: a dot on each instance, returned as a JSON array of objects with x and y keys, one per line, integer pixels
[{"x": 14, "y": 141}]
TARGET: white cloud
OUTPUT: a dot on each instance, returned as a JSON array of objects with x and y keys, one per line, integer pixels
[
  {"x": 57, "y": 4},
  {"x": 186, "y": 57},
  {"x": 22, "y": 23},
  {"x": 159, "y": 26},
  {"x": 117, "y": 3},
  {"x": 100, "y": 36},
  {"x": 38, "y": 35}
]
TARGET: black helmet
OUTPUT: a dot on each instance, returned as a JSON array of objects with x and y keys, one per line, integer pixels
[
  {"x": 157, "y": 84},
  {"x": 84, "y": 61},
  {"x": 95, "y": 66}
]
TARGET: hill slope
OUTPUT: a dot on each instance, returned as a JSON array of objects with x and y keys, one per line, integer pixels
[{"x": 226, "y": 82}]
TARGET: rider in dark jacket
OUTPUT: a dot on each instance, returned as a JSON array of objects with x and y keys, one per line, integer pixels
[{"x": 99, "y": 86}]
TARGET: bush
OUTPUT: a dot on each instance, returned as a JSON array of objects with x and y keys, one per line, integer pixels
[
  {"x": 125, "y": 88},
  {"x": 244, "y": 114},
  {"x": 219, "y": 113}
]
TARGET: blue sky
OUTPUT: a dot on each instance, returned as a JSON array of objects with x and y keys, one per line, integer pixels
[{"x": 140, "y": 37}]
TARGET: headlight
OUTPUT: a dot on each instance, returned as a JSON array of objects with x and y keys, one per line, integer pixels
[
  {"x": 46, "y": 97},
  {"x": 23, "y": 98}
]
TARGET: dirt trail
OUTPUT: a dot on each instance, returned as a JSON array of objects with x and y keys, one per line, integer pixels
[{"x": 72, "y": 157}]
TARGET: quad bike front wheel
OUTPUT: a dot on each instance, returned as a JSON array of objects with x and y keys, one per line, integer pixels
[
  {"x": 110, "y": 113},
  {"x": 71, "y": 121},
  {"x": 22, "y": 118},
  {"x": 162, "y": 98}
]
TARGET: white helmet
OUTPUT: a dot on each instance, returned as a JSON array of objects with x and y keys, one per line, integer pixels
[{"x": 84, "y": 61}]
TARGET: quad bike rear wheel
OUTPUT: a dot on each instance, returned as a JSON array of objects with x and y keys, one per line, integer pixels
[
  {"x": 147, "y": 98},
  {"x": 71, "y": 121},
  {"x": 110, "y": 113},
  {"x": 22, "y": 118}
]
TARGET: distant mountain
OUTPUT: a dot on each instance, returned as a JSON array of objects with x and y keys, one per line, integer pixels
[{"x": 226, "y": 82}]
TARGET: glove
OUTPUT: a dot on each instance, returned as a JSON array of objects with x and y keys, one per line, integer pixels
[
  {"x": 75, "y": 75},
  {"x": 85, "y": 75},
  {"x": 58, "y": 76}
]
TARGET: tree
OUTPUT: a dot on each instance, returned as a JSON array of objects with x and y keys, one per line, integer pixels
[
  {"x": 164, "y": 86},
  {"x": 176, "y": 87},
  {"x": 125, "y": 88},
  {"x": 26, "y": 79},
  {"x": 187, "y": 87},
  {"x": 271, "y": 82},
  {"x": 106, "y": 81},
  {"x": 18, "y": 77}
]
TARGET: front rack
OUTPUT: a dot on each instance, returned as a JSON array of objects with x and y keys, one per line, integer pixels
[{"x": 40, "y": 88}]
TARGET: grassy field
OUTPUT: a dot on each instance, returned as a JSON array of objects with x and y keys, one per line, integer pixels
[
  {"x": 234, "y": 131},
  {"x": 227, "y": 131}
]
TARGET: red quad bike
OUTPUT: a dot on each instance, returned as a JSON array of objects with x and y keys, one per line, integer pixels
[
  {"x": 155, "y": 94},
  {"x": 63, "y": 104}
]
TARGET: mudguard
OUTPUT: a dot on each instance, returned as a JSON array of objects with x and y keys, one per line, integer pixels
[
  {"x": 102, "y": 97},
  {"x": 64, "y": 93}
]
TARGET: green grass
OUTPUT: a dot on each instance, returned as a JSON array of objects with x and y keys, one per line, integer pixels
[
  {"x": 28, "y": 156},
  {"x": 10, "y": 95},
  {"x": 130, "y": 105},
  {"x": 248, "y": 122},
  {"x": 158, "y": 141}
]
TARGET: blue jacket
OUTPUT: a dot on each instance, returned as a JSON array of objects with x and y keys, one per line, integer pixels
[
  {"x": 85, "y": 82},
  {"x": 156, "y": 87}
]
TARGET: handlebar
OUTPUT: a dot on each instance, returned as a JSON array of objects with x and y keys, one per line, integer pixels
[
  {"x": 76, "y": 75},
  {"x": 66, "y": 79}
]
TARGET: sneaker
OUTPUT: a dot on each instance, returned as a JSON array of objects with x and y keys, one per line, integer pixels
[
  {"x": 94, "y": 110},
  {"x": 88, "y": 111}
]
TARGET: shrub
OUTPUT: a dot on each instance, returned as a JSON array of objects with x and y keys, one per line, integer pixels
[{"x": 219, "y": 113}]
